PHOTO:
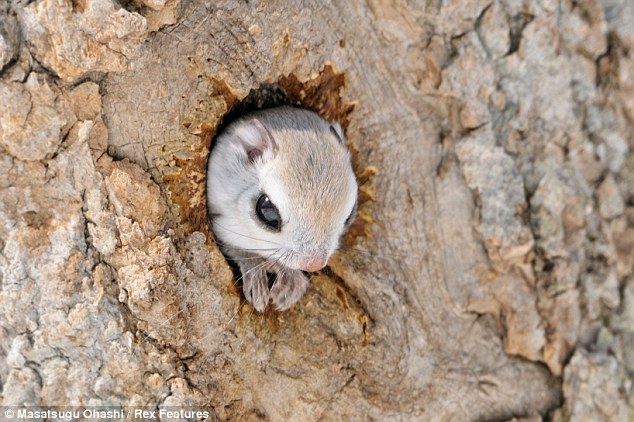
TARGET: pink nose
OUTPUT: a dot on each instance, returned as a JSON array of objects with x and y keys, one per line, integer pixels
[{"x": 313, "y": 264}]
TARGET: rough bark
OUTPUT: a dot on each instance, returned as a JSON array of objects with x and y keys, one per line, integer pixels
[{"x": 489, "y": 275}]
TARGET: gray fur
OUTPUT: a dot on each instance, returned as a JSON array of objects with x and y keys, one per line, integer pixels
[{"x": 295, "y": 157}]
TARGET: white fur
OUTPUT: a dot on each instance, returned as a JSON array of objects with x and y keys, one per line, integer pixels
[{"x": 310, "y": 228}]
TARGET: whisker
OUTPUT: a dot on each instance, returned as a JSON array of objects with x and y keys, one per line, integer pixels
[
  {"x": 225, "y": 245},
  {"x": 234, "y": 315},
  {"x": 147, "y": 336},
  {"x": 245, "y": 258},
  {"x": 250, "y": 250},
  {"x": 256, "y": 267},
  {"x": 244, "y": 235},
  {"x": 286, "y": 256}
]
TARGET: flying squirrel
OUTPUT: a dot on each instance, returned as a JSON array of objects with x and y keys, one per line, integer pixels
[{"x": 280, "y": 193}]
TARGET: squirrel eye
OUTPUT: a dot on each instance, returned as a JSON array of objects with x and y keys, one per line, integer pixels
[{"x": 268, "y": 213}]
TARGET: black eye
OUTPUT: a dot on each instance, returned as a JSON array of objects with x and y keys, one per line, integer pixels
[{"x": 268, "y": 213}]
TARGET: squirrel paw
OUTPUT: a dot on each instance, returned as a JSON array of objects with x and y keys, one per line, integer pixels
[
  {"x": 289, "y": 287},
  {"x": 255, "y": 285}
]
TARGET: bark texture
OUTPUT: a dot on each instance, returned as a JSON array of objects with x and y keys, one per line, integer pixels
[{"x": 490, "y": 273}]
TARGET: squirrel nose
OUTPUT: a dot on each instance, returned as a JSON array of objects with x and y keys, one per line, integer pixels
[{"x": 313, "y": 264}]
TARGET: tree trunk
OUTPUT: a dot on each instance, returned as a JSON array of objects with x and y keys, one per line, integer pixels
[{"x": 488, "y": 276}]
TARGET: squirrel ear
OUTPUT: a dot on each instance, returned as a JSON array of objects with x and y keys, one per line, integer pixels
[
  {"x": 335, "y": 129},
  {"x": 257, "y": 141}
]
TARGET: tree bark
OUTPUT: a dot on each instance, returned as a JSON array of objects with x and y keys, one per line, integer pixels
[{"x": 489, "y": 274}]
